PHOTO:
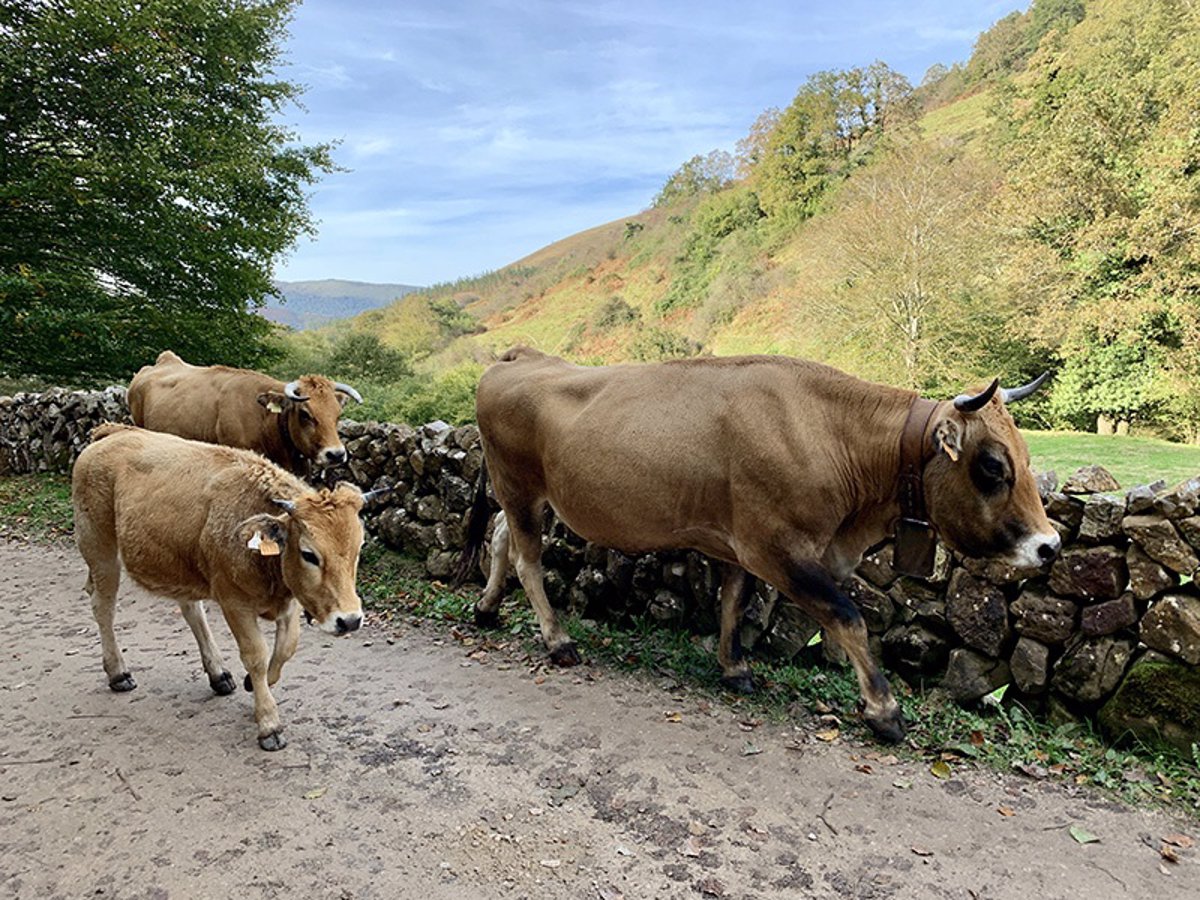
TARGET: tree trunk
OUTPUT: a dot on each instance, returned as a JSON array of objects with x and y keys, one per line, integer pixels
[{"x": 1104, "y": 425}]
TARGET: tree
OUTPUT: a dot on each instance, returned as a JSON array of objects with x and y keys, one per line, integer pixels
[
  {"x": 145, "y": 188},
  {"x": 699, "y": 175}
]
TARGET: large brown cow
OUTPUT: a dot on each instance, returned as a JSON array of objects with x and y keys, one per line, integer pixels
[
  {"x": 190, "y": 521},
  {"x": 290, "y": 424},
  {"x": 783, "y": 468}
]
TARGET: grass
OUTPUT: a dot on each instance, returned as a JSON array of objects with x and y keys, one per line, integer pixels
[
  {"x": 1131, "y": 460},
  {"x": 35, "y": 506},
  {"x": 941, "y": 733}
]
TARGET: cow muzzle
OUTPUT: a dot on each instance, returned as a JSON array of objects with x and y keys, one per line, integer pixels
[
  {"x": 1036, "y": 551},
  {"x": 332, "y": 456},
  {"x": 340, "y": 623}
]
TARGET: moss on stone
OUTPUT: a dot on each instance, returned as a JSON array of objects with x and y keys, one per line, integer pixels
[{"x": 1159, "y": 698}]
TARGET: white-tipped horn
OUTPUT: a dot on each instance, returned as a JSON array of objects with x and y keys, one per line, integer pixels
[
  {"x": 348, "y": 391},
  {"x": 376, "y": 494},
  {"x": 292, "y": 390},
  {"x": 974, "y": 402},
  {"x": 1012, "y": 395},
  {"x": 289, "y": 506}
]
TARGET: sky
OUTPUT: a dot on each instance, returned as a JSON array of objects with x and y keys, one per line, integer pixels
[{"x": 474, "y": 133}]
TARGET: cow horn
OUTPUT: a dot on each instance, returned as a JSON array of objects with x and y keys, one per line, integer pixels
[
  {"x": 292, "y": 390},
  {"x": 349, "y": 391},
  {"x": 376, "y": 494},
  {"x": 1012, "y": 395},
  {"x": 973, "y": 403},
  {"x": 288, "y": 506}
]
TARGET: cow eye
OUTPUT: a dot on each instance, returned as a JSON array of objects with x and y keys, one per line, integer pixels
[
  {"x": 309, "y": 557},
  {"x": 991, "y": 466},
  {"x": 306, "y": 417}
]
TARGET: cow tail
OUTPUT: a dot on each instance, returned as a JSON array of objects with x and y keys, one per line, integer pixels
[{"x": 477, "y": 523}]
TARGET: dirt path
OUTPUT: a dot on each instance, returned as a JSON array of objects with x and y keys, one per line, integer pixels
[{"x": 414, "y": 771}]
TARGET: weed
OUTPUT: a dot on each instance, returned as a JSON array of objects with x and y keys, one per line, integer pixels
[{"x": 35, "y": 506}]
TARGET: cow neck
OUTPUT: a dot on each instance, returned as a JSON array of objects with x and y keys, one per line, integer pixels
[{"x": 916, "y": 538}]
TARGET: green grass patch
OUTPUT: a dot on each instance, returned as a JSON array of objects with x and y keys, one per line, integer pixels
[
  {"x": 36, "y": 506},
  {"x": 1131, "y": 460}
]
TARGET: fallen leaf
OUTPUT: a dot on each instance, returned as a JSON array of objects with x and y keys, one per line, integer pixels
[
  {"x": 976, "y": 738},
  {"x": 940, "y": 769},
  {"x": 691, "y": 847},
  {"x": 1180, "y": 840},
  {"x": 1083, "y": 836},
  {"x": 1006, "y": 811},
  {"x": 1169, "y": 853},
  {"x": 1033, "y": 771},
  {"x": 751, "y": 750},
  {"x": 921, "y": 851},
  {"x": 622, "y": 851},
  {"x": 864, "y": 768},
  {"x": 315, "y": 793},
  {"x": 673, "y": 717},
  {"x": 551, "y": 863},
  {"x": 697, "y": 828},
  {"x": 828, "y": 735},
  {"x": 749, "y": 724},
  {"x": 610, "y": 893},
  {"x": 903, "y": 783},
  {"x": 710, "y": 887}
]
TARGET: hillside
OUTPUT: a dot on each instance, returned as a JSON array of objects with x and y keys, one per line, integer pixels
[
  {"x": 312, "y": 304},
  {"x": 1035, "y": 208}
]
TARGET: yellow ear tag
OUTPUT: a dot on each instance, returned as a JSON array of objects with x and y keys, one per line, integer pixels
[
  {"x": 265, "y": 546},
  {"x": 273, "y": 406},
  {"x": 952, "y": 453}
]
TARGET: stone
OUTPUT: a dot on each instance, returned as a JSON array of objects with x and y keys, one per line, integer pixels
[
  {"x": 1091, "y": 668},
  {"x": 1179, "y": 502},
  {"x": 970, "y": 675},
  {"x": 1161, "y": 541},
  {"x": 1108, "y": 617},
  {"x": 1090, "y": 573},
  {"x": 1189, "y": 530},
  {"x": 1064, "y": 509},
  {"x": 1172, "y": 625},
  {"x": 1140, "y": 499},
  {"x": 1030, "y": 665},
  {"x": 1159, "y": 699},
  {"x": 1147, "y": 578},
  {"x": 1043, "y": 617},
  {"x": 877, "y": 567},
  {"x": 667, "y": 606},
  {"x": 1090, "y": 480},
  {"x": 978, "y": 612},
  {"x": 431, "y": 508},
  {"x": 997, "y": 571},
  {"x": 1102, "y": 515},
  {"x": 876, "y": 607},
  {"x": 791, "y": 631},
  {"x": 914, "y": 652},
  {"x": 1047, "y": 483}
]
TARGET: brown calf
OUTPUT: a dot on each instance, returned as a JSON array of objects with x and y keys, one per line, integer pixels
[{"x": 190, "y": 521}]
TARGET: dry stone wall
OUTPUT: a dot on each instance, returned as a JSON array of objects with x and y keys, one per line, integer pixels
[{"x": 1110, "y": 632}]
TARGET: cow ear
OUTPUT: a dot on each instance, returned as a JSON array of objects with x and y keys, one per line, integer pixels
[
  {"x": 264, "y": 534},
  {"x": 273, "y": 401},
  {"x": 947, "y": 437}
]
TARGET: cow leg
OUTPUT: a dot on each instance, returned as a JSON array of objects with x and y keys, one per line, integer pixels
[
  {"x": 526, "y": 536},
  {"x": 812, "y": 588},
  {"x": 219, "y": 678},
  {"x": 487, "y": 609},
  {"x": 736, "y": 586},
  {"x": 104, "y": 577},
  {"x": 255, "y": 655},
  {"x": 287, "y": 637}
]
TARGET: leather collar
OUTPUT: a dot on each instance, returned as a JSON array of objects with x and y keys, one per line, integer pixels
[{"x": 916, "y": 538}]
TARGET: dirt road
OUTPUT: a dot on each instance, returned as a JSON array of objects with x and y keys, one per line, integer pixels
[{"x": 415, "y": 771}]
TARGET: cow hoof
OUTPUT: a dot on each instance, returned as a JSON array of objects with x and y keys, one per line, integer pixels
[
  {"x": 248, "y": 684},
  {"x": 889, "y": 730},
  {"x": 122, "y": 683},
  {"x": 223, "y": 684},
  {"x": 273, "y": 741},
  {"x": 739, "y": 684},
  {"x": 487, "y": 618},
  {"x": 565, "y": 655}
]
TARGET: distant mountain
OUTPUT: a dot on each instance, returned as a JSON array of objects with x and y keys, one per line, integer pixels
[{"x": 311, "y": 304}]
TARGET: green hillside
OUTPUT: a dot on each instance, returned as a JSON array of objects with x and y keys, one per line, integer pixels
[{"x": 1036, "y": 207}]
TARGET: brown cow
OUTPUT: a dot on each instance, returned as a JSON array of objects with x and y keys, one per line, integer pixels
[
  {"x": 191, "y": 520},
  {"x": 290, "y": 424},
  {"x": 779, "y": 467}
]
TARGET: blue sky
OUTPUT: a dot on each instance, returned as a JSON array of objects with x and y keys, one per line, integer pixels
[{"x": 475, "y": 133}]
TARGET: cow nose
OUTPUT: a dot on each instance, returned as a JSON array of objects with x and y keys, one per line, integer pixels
[
  {"x": 335, "y": 456},
  {"x": 1047, "y": 550},
  {"x": 348, "y": 623}
]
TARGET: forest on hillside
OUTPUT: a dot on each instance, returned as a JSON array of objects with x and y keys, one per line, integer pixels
[{"x": 1034, "y": 208}]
